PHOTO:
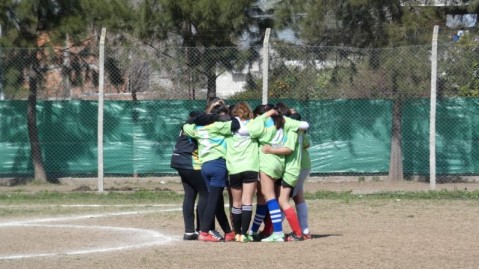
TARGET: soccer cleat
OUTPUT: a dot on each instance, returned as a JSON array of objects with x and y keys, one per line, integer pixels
[
  {"x": 190, "y": 236},
  {"x": 307, "y": 236},
  {"x": 263, "y": 234},
  {"x": 229, "y": 237},
  {"x": 254, "y": 236},
  {"x": 293, "y": 237},
  {"x": 209, "y": 237},
  {"x": 245, "y": 238},
  {"x": 215, "y": 234},
  {"x": 275, "y": 237},
  {"x": 257, "y": 237},
  {"x": 237, "y": 237}
]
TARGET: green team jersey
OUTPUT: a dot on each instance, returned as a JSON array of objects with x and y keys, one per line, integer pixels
[
  {"x": 293, "y": 160},
  {"x": 242, "y": 153},
  {"x": 265, "y": 131},
  {"x": 211, "y": 139},
  {"x": 305, "y": 158}
]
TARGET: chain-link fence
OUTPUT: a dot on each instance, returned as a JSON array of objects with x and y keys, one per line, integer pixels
[{"x": 369, "y": 109}]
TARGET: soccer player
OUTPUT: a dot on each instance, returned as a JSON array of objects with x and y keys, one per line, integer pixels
[
  {"x": 298, "y": 191},
  {"x": 212, "y": 153},
  {"x": 274, "y": 131},
  {"x": 185, "y": 160},
  {"x": 242, "y": 162},
  {"x": 291, "y": 176}
]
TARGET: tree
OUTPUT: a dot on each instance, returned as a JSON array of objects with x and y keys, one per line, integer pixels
[
  {"x": 24, "y": 22},
  {"x": 367, "y": 24},
  {"x": 40, "y": 26},
  {"x": 207, "y": 30}
]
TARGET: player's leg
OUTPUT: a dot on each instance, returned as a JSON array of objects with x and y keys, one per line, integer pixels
[
  {"x": 188, "y": 207},
  {"x": 260, "y": 212},
  {"x": 250, "y": 180},
  {"x": 198, "y": 183},
  {"x": 267, "y": 188},
  {"x": 209, "y": 173},
  {"x": 236, "y": 193},
  {"x": 300, "y": 202},
  {"x": 289, "y": 211}
]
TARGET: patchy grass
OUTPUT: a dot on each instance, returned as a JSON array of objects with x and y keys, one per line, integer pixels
[
  {"x": 169, "y": 196},
  {"x": 141, "y": 196},
  {"x": 410, "y": 195}
]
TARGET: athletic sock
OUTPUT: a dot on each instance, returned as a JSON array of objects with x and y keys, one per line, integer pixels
[
  {"x": 258, "y": 217},
  {"x": 276, "y": 215},
  {"x": 293, "y": 221},
  {"x": 302, "y": 210},
  {"x": 236, "y": 219},
  {"x": 246, "y": 213}
]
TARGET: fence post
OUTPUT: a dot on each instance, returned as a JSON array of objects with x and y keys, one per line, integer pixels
[
  {"x": 265, "y": 65},
  {"x": 432, "y": 113},
  {"x": 2, "y": 97},
  {"x": 101, "y": 80}
]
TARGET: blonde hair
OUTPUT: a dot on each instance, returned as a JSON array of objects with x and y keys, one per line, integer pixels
[{"x": 242, "y": 110}]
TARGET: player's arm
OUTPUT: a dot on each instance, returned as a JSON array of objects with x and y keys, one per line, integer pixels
[
  {"x": 255, "y": 127},
  {"x": 189, "y": 129},
  {"x": 296, "y": 124},
  {"x": 278, "y": 151}
]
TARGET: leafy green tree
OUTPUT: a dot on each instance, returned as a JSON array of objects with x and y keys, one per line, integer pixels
[
  {"x": 367, "y": 25},
  {"x": 23, "y": 22},
  {"x": 39, "y": 26},
  {"x": 357, "y": 23},
  {"x": 458, "y": 69},
  {"x": 207, "y": 30}
]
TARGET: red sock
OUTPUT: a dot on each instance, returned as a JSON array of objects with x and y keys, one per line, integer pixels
[
  {"x": 293, "y": 221},
  {"x": 268, "y": 225}
]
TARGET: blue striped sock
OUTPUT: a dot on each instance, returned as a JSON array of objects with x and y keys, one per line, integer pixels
[
  {"x": 259, "y": 217},
  {"x": 276, "y": 215}
]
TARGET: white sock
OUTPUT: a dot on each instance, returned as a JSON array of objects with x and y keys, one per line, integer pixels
[{"x": 302, "y": 211}]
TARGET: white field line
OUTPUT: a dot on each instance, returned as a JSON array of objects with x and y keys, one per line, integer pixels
[
  {"x": 93, "y": 205},
  {"x": 147, "y": 237}
]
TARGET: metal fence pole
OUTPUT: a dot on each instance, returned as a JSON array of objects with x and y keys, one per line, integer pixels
[
  {"x": 2, "y": 97},
  {"x": 101, "y": 81},
  {"x": 432, "y": 115},
  {"x": 265, "y": 65}
]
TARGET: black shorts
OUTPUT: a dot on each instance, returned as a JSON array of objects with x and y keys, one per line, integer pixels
[
  {"x": 281, "y": 182},
  {"x": 237, "y": 180}
]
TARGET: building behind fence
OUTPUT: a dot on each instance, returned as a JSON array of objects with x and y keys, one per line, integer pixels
[{"x": 351, "y": 97}]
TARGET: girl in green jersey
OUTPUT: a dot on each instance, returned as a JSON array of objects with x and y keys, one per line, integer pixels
[
  {"x": 243, "y": 165},
  {"x": 274, "y": 131},
  {"x": 212, "y": 153}
]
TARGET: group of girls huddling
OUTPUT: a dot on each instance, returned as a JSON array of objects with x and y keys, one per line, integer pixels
[{"x": 261, "y": 152}]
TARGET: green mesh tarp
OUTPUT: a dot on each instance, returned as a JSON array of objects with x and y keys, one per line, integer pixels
[{"x": 348, "y": 136}]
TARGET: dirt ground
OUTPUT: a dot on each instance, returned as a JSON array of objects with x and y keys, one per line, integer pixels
[
  {"x": 313, "y": 184},
  {"x": 382, "y": 233}
]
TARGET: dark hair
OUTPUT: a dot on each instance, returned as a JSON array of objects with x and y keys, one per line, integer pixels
[
  {"x": 220, "y": 109},
  {"x": 213, "y": 101},
  {"x": 295, "y": 116},
  {"x": 230, "y": 108},
  {"x": 194, "y": 113},
  {"x": 261, "y": 109},
  {"x": 278, "y": 121},
  {"x": 283, "y": 109}
]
